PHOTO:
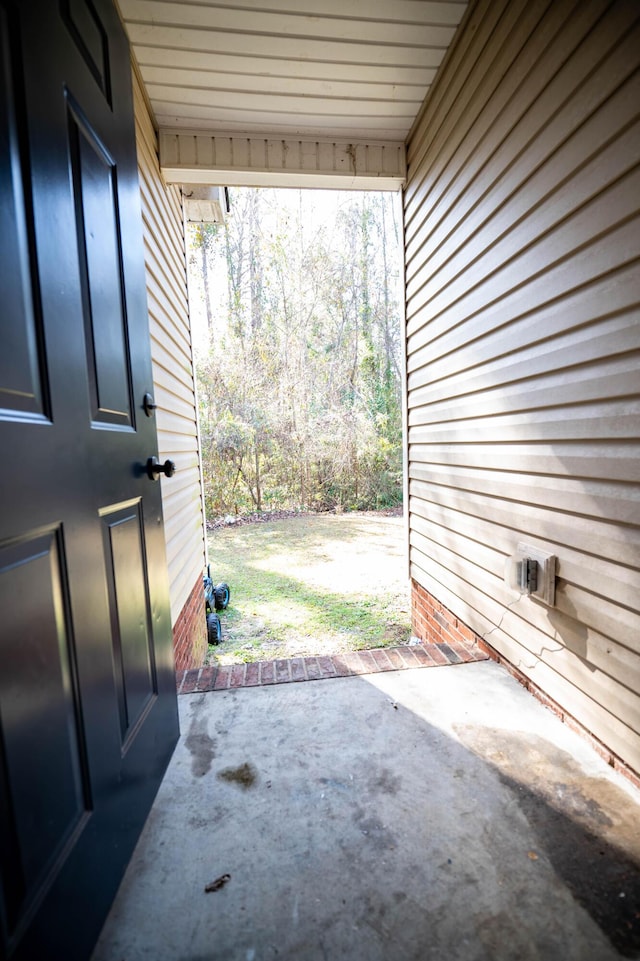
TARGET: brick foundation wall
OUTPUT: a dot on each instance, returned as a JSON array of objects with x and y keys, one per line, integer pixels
[
  {"x": 431, "y": 621},
  {"x": 434, "y": 623},
  {"x": 190, "y": 631}
]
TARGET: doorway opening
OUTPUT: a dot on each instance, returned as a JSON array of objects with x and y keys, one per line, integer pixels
[{"x": 297, "y": 319}]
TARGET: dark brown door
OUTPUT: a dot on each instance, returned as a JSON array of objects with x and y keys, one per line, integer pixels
[{"x": 88, "y": 715}]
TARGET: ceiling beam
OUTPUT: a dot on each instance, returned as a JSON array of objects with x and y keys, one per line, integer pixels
[{"x": 251, "y": 161}]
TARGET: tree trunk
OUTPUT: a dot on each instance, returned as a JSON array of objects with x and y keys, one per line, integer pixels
[
  {"x": 255, "y": 265},
  {"x": 205, "y": 283},
  {"x": 258, "y": 489},
  {"x": 388, "y": 362}
]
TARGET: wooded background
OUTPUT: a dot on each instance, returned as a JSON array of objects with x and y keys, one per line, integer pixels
[{"x": 299, "y": 360}]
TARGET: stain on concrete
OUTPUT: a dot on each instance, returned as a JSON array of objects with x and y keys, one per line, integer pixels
[
  {"x": 334, "y": 784},
  {"x": 372, "y": 828},
  {"x": 374, "y": 916},
  {"x": 385, "y": 781},
  {"x": 201, "y": 747},
  {"x": 205, "y": 822},
  {"x": 574, "y": 802},
  {"x": 245, "y": 776},
  {"x": 501, "y": 935},
  {"x": 586, "y": 826}
]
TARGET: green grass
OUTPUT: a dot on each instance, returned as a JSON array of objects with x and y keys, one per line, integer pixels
[{"x": 310, "y": 585}]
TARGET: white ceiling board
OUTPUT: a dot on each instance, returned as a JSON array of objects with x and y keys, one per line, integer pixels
[
  {"x": 325, "y": 68},
  {"x": 287, "y": 103},
  {"x": 279, "y": 26},
  {"x": 265, "y": 68},
  {"x": 333, "y": 89},
  {"x": 277, "y": 47}
]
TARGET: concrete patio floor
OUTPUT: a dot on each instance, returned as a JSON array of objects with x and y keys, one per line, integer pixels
[{"x": 419, "y": 814}]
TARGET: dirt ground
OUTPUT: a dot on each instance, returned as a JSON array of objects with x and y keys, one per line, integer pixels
[{"x": 311, "y": 584}]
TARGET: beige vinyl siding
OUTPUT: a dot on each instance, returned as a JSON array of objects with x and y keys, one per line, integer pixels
[
  {"x": 522, "y": 238},
  {"x": 171, "y": 353}
]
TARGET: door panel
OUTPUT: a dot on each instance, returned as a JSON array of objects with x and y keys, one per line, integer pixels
[
  {"x": 94, "y": 175},
  {"x": 90, "y": 36},
  {"x": 88, "y": 715},
  {"x": 130, "y": 615},
  {"x": 47, "y": 792},
  {"x": 20, "y": 361}
]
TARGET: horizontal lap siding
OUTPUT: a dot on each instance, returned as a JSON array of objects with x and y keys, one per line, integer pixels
[
  {"x": 522, "y": 245},
  {"x": 174, "y": 388}
]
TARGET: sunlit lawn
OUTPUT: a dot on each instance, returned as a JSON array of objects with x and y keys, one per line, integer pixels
[{"x": 311, "y": 585}]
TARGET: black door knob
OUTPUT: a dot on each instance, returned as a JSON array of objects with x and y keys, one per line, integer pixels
[
  {"x": 154, "y": 467},
  {"x": 149, "y": 405}
]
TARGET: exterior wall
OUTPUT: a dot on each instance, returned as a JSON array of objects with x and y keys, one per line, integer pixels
[
  {"x": 174, "y": 391},
  {"x": 522, "y": 236}
]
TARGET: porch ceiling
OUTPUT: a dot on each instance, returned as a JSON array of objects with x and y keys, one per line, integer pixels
[{"x": 328, "y": 70}]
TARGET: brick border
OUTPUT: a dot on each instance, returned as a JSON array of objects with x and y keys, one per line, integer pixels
[
  {"x": 289, "y": 670},
  {"x": 190, "y": 631},
  {"x": 434, "y": 622}
]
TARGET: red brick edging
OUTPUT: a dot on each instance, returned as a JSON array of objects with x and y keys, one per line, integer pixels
[{"x": 287, "y": 670}]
